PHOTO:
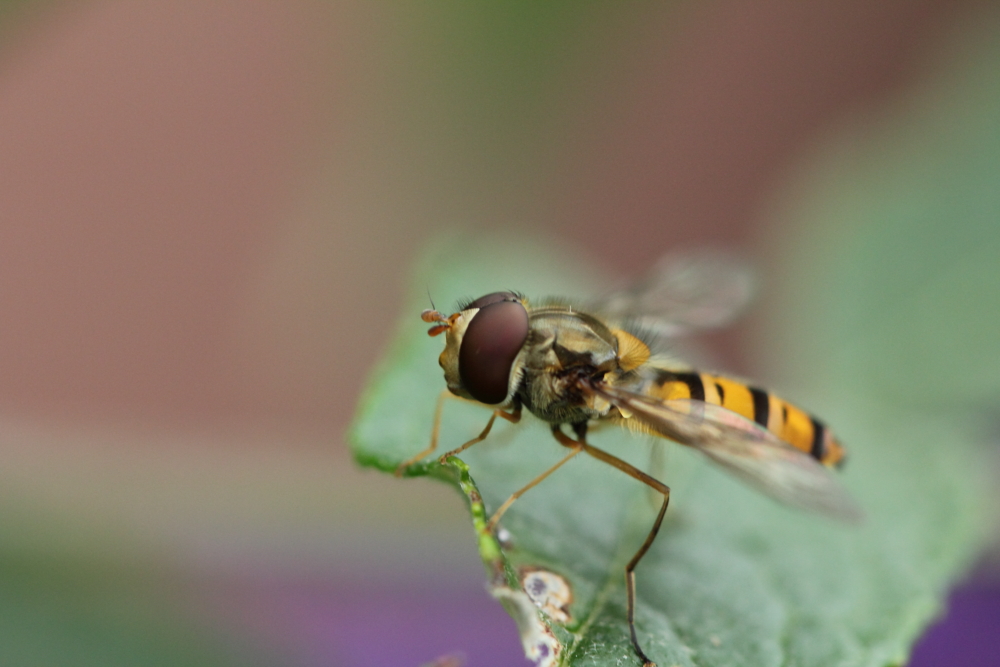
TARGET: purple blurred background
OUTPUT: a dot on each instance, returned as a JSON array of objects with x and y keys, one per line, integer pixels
[{"x": 207, "y": 216}]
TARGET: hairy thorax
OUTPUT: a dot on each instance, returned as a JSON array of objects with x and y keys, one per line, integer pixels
[{"x": 565, "y": 345}]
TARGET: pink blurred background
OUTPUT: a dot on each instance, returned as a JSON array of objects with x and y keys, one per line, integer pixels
[
  {"x": 207, "y": 216},
  {"x": 209, "y": 208}
]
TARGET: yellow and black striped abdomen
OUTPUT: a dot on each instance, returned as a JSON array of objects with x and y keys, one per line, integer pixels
[{"x": 789, "y": 423}]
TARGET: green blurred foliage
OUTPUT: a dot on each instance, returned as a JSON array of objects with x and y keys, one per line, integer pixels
[
  {"x": 86, "y": 594},
  {"x": 76, "y": 612},
  {"x": 892, "y": 272},
  {"x": 488, "y": 89}
]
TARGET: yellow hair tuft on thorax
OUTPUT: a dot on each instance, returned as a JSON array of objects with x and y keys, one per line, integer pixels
[{"x": 632, "y": 352}]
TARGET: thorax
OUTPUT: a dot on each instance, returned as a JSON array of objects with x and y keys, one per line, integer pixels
[{"x": 562, "y": 345}]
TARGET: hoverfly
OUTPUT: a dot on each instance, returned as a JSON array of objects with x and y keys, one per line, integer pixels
[{"x": 605, "y": 363}]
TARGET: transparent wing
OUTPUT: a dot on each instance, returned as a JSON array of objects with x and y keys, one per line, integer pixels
[
  {"x": 684, "y": 292},
  {"x": 743, "y": 447}
]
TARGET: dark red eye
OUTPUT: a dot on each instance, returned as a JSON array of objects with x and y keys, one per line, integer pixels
[
  {"x": 491, "y": 341},
  {"x": 495, "y": 297}
]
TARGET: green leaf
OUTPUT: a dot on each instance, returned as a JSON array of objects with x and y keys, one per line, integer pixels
[
  {"x": 885, "y": 318},
  {"x": 733, "y": 578}
]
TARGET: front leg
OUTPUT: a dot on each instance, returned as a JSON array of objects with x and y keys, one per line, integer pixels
[
  {"x": 513, "y": 417},
  {"x": 439, "y": 407}
]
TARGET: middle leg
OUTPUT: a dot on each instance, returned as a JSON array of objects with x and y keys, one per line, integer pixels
[{"x": 530, "y": 485}]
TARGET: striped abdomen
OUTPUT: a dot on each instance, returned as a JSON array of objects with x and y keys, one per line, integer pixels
[{"x": 789, "y": 423}]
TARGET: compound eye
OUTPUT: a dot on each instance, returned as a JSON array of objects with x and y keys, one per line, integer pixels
[
  {"x": 490, "y": 299},
  {"x": 490, "y": 344}
]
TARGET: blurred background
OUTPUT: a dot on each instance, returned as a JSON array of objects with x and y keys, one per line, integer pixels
[{"x": 208, "y": 212}]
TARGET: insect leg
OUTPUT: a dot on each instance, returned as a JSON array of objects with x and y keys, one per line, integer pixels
[
  {"x": 632, "y": 471},
  {"x": 513, "y": 417},
  {"x": 520, "y": 492},
  {"x": 401, "y": 468}
]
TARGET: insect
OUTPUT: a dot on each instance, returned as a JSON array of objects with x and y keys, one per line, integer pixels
[{"x": 605, "y": 362}]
